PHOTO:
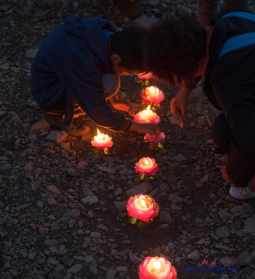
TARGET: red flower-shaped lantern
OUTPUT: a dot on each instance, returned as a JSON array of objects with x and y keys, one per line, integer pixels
[
  {"x": 147, "y": 116},
  {"x": 146, "y": 167},
  {"x": 102, "y": 142},
  {"x": 157, "y": 268},
  {"x": 143, "y": 208},
  {"x": 152, "y": 95}
]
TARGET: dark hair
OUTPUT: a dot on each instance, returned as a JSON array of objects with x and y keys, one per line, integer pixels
[
  {"x": 130, "y": 45},
  {"x": 176, "y": 46}
]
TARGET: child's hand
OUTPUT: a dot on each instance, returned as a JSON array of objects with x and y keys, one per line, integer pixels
[
  {"x": 145, "y": 128},
  {"x": 179, "y": 105}
]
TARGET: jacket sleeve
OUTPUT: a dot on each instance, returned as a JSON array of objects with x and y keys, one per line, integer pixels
[
  {"x": 88, "y": 91},
  {"x": 209, "y": 9}
]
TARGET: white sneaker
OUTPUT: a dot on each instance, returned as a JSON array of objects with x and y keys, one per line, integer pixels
[{"x": 240, "y": 193}]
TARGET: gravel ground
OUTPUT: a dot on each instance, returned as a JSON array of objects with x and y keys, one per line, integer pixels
[{"x": 62, "y": 206}]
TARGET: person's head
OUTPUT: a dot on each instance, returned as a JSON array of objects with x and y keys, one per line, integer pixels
[
  {"x": 177, "y": 48},
  {"x": 128, "y": 50}
]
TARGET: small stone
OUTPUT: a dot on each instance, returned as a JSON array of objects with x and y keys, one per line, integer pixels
[
  {"x": 250, "y": 225},
  {"x": 4, "y": 66},
  {"x": 54, "y": 189},
  {"x": 228, "y": 261},
  {"x": 82, "y": 165},
  {"x": 122, "y": 269},
  {"x": 143, "y": 188},
  {"x": 57, "y": 136},
  {"x": 179, "y": 158},
  {"x": 165, "y": 217},
  {"x": 222, "y": 232},
  {"x": 90, "y": 200},
  {"x": 95, "y": 234},
  {"x": 75, "y": 268},
  {"x": 119, "y": 205},
  {"x": 31, "y": 53},
  {"x": 52, "y": 201},
  {"x": 111, "y": 274},
  {"x": 195, "y": 255}
]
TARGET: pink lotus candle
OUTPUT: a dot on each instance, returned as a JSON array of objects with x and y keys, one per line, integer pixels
[
  {"x": 146, "y": 166},
  {"x": 143, "y": 208},
  {"x": 147, "y": 116},
  {"x": 156, "y": 139},
  {"x": 153, "y": 95},
  {"x": 157, "y": 268},
  {"x": 102, "y": 142}
]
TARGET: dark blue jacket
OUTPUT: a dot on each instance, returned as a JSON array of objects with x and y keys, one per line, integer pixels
[
  {"x": 230, "y": 81},
  {"x": 69, "y": 67}
]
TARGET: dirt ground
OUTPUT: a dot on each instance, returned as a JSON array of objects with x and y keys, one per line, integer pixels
[{"x": 62, "y": 205}]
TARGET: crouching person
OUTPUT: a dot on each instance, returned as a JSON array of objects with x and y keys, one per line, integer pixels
[{"x": 78, "y": 66}]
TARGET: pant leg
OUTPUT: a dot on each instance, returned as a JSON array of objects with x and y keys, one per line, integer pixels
[
  {"x": 221, "y": 135},
  {"x": 238, "y": 169}
]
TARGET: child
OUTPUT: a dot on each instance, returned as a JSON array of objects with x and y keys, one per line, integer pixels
[
  {"x": 224, "y": 54},
  {"x": 80, "y": 64}
]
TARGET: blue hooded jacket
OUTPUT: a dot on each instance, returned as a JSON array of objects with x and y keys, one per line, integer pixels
[{"x": 69, "y": 68}]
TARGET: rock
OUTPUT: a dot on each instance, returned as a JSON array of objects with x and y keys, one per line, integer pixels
[
  {"x": 228, "y": 261},
  {"x": 95, "y": 234},
  {"x": 111, "y": 274},
  {"x": 31, "y": 53},
  {"x": 75, "y": 268},
  {"x": 143, "y": 188},
  {"x": 195, "y": 255},
  {"x": 179, "y": 158},
  {"x": 249, "y": 226},
  {"x": 119, "y": 205},
  {"x": 4, "y": 66},
  {"x": 90, "y": 200},
  {"x": 54, "y": 189},
  {"x": 57, "y": 136},
  {"x": 244, "y": 258},
  {"x": 52, "y": 201},
  {"x": 165, "y": 217},
  {"x": 82, "y": 165},
  {"x": 222, "y": 232}
]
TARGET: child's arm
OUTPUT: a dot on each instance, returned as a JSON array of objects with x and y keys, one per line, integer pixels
[
  {"x": 208, "y": 10},
  {"x": 89, "y": 94}
]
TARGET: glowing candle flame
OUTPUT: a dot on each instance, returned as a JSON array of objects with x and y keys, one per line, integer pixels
[
  {"x": 102, "y": 141},
  {"x": 153, "y": 95},
  {"x": 146, "y": 166},
  {"x": 157, "y": 268},
  {"x": 143, "y": 208},
  {"x": 147, "y": 116}
]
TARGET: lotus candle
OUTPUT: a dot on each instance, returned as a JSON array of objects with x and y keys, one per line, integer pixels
[
  {"x": 147, "y": 116},
  {"x": 102, "y": 141},
  {"x": 157, "y": 268},
  {"x": 143, "y": 208},
  {"x": 146, "y": 166},
  {"x": 153, "y": 95},
  {"x": 155, "y": 139}
]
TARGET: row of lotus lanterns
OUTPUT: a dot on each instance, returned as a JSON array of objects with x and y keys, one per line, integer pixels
[{"x": 143, "y": 209}]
